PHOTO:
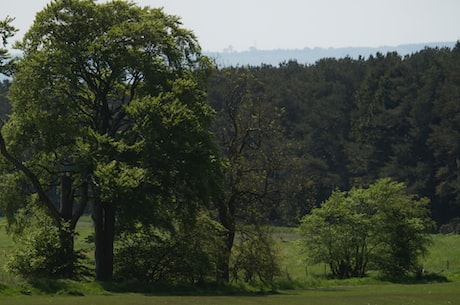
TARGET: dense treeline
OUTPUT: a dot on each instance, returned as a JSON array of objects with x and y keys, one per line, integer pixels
[{"x": 354, "y": 121}]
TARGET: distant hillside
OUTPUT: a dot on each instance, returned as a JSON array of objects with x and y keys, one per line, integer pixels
[{"x": 255, "y": 57}]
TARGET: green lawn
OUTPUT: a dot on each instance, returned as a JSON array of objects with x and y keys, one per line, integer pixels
[
  {"x": 426, "y": 294},
  {"x": 444, "y": 256}
]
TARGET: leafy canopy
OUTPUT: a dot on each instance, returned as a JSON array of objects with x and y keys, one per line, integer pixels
[
  {"x": 114, "y": 92},
  {"x": 380, "y": 227},
  {"x": 109, "y": 97}
]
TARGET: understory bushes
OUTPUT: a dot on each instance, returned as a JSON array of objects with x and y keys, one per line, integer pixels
[
  {"x": 255, "y": 257},
  {"x": 184, "y": 254},
  {"x": 190, "y": 254},
  {"x": 41, "y": 250}
]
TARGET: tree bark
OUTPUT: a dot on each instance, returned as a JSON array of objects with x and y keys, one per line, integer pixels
[
  {"x": 67, "y": 231},
  {"x": 66, "y": 208},
  {"x": 224, "y": 268},
  {"x": 67, "y": 253},
  {"x": 104, "y": 228},
  {"x": 227, "y": 219}
]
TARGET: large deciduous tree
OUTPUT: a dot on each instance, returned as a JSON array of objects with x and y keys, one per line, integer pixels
[
  {"x": 109, "y": 109},
  {"x": 255, "y": 156}
]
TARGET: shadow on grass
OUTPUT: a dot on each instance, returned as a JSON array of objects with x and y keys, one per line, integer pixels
[
  {"x": 165, "y": 289},
  {"x": 79, "y": 288},
  {"x": 59, "y": 287},
  {"x": 428, "y": 278},
  {"x": 82, "y": 288}
]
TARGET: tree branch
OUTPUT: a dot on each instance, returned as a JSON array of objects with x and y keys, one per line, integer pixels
[{"x": 42, "y": 197}]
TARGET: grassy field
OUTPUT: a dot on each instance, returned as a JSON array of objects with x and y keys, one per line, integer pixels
[
  {"x": 426, "y": 294},
  {"x": 298, "y": 283}
]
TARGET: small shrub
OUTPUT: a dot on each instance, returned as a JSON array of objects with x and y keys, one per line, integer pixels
[{"x": 255, "y": 257}]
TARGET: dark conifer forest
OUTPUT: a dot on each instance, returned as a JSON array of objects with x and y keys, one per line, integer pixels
[{"x": 348, "y": 122}]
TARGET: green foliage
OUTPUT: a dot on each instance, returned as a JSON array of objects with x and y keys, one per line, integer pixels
[
  {"x": 119, "y": 105},
  {"x": 6, "y": 31},
  {"x": 339, "y": 234},
  {"x": 443, "y": 249},
  {"x": 255, "y": 256},
  {"x": 12, "y": 198},
  {"x": 39, "y": 251},
  {"x": 117, "y": 108},
  {"x": 116, "y": 179},
  {"x": 185, "y": 254},
  {"x": 403, "y": 222},
  {"x": 381, "y": 227},
  {"x": 258, "y": 159},
  {"x": 353, "y": 121}
]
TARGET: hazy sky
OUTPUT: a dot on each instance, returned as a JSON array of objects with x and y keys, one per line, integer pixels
[{"x": 295, "y": 24}]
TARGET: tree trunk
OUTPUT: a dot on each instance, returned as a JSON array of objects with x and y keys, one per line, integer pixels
[
  {"x": 66, "y": 229},
  {"x": 66, "y": 207},
  {"x": 104, "y": 227},
  {"x": 227, "y": 219},
  {"x": 224, "y": 268},
  {"x": 67, "y": 255}
]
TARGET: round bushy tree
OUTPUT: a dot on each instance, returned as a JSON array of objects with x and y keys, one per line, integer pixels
[{"x": 381, "y": 226}]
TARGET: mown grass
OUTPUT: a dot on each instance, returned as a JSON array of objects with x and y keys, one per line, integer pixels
[
  {"x": 426, "y": 294},
  {"x": 297, "y": 283}
]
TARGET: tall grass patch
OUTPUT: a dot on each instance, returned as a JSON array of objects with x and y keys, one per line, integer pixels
[
  {"x": 6, "y": 244},
  {"x": 444, "y": 256}
]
